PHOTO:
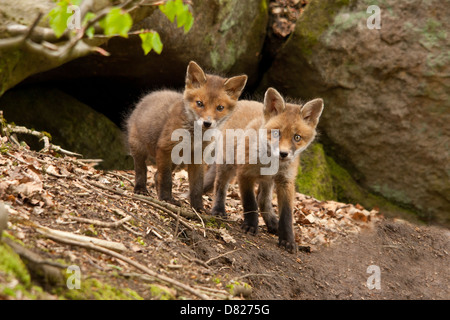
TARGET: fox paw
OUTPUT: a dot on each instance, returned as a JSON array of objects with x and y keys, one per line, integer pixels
[
  {"x": 272, "y": 226},
  {"x": 252, "y": 229},
  {"x": 289, "y": 246},
  {"x": 141, "y": 190},
  {"x": 172, "y": 201},
  {"x": 218, "y": 212}
]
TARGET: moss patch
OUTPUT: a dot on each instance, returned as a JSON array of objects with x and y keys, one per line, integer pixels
[
  {"x": 314, "y": 177},
  {"x": 15, "y": 281},
  {"x": 315, "y": 20},
  {"x": 12, "y": 265},
  {"x": 159, "y": 292},
  {"x": 93, "y": 289}
]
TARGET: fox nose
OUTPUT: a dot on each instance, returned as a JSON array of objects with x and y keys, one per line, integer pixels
[
  {"x": 283, "y": 154},
  {"x": 207, "y": 124}
]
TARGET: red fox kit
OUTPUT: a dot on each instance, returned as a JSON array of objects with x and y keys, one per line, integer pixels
[
  {"x": 208, "y": 100},
  {"x": 289, "y": 128}
]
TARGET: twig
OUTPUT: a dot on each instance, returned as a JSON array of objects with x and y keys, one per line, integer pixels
[
  {"x": 43, "y": 137},
  {"x": 177, "y": 224},
  {"x": 136, "y": 233},
  {"x": 121, "y": 176},
  {"x": 201, "y": 220},
  {"x": 61, "y": 150},
  {"x": 198, "y": 261},
  {"x": 114, "y": 224},
  {"x": 221, "y": 255},
  {"x": 33, "y": 26},
  {"x": 62, "y": 235}
]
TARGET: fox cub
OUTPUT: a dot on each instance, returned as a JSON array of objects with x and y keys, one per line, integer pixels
[
  {"x": 290, "y": 129},
  {"x": 208, "y": 100}
]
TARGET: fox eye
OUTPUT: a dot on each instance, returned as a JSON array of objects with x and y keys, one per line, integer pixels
[
  {"x": 200, "y": 104},
  {"x": 275, "y": 133},
  {"x": 297, "y": 138},
  {"x": 220, "y": 108}
]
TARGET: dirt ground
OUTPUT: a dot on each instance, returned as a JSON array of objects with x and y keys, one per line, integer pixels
[{"x": 214, "y": 257}]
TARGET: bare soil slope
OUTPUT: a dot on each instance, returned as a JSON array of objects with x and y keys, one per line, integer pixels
[{"x": 211, "y": 258}]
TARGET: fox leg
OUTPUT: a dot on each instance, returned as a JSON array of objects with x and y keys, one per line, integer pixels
[
  {"x": 164, "y": 177},
  {"x": 246, "y": 185},
  {"x": 224, "y": 173},
  {"x": 208, "y": 179},
  {"x": 140, "y": 168},
  {"x": 195, "y": 173},
  {"x": 285, "y": 194},
  {"x": 265, "y": 191}
]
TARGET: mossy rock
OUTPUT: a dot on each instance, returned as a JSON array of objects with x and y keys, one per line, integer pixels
[
  {"x": 227, "y": 38},
  {"x": 321, "y": 177},
  {"x": 386, "y": 94},
  {"x": 12, "y": 265},
  {"x": 159, "y": 292},
  {"x": 73, "y": 125},
  {"x": 94, "y": 289},
  {"x": 15, "y": 280},
  {"x": 314, "y": 176}
]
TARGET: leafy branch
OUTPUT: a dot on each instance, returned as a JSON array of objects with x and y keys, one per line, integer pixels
[{"x": 76, "y": 30}]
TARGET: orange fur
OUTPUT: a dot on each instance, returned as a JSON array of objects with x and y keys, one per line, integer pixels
[
  {"x": 160, "y": 113},
  {"x": 296, "y": 127}
]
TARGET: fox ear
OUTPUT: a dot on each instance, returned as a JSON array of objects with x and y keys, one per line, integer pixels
[
  {"x": 195, "y": 77},
  {"x": 273, "y": 103},
  {"x": 234, "y": 86},
  {"x": 311, "y": 111}
]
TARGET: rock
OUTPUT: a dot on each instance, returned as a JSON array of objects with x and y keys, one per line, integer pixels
[
  {"x": 73, "y": 125},
  {"x": 314, "y": 177},
  {"x": 19, "y": 62},
  {"x": 386, "y": 93},
  {"x": 227, "y": 37}
]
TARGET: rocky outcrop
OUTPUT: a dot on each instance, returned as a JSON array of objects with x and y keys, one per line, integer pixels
[
  {"x": 386, "y": 91},
  {"x": 21, "y": 58},
  {"x": 227, "y": 37},
  {"x": 72, "y": 125}
]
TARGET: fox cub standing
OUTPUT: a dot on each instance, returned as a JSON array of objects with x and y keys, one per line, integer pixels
[
  {"x": 207, "y": 100},
  {"x": 293, "y": 128}
]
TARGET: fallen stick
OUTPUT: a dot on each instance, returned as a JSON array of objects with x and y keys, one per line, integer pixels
[
  {"x": 220, "y": 255},
  {"x": 43, "y": 137},
  {"x": 116, "y": 246},
  {"x": 133, "y": 263},
  {"x": 114, "y": 224}
]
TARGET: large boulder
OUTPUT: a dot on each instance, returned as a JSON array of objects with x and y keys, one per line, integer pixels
[
  {"x": 227, "y": 37},
  {"x": 20, "y": 59},
  {"x": 386, "y": 91},
  {"x": 73, "y": 125}
]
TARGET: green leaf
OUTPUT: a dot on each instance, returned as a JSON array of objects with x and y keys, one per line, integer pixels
[
  {"x": 151, "y": 40},
  {"x": 157, "y": 44},
  {"x": 90, "y": 32},
  {"x": 177, "y": 9},
  {"x": 87, "y": 17},
  {"x": 169, "y": 9},
  {"x": 147, "y": 42},
  {"x": 189, "y": 23},
  {"x": 116, "y": 22},
  {"x": 58, "y": 17}
]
